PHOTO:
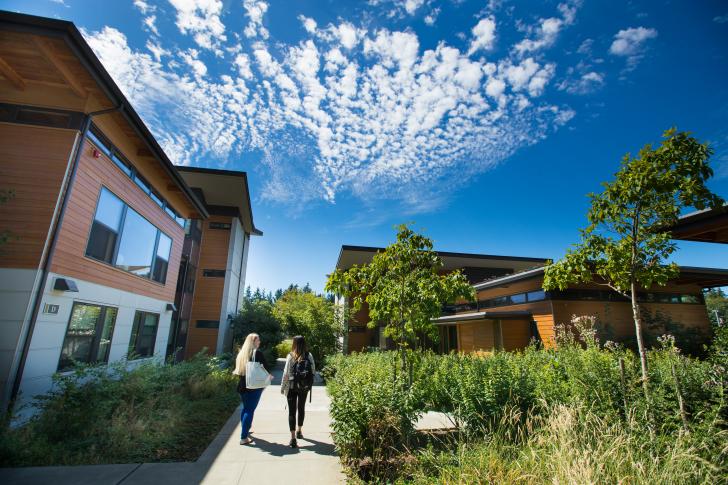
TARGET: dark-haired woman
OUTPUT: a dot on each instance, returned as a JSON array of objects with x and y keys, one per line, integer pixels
[{"x": 296, "y": 384}]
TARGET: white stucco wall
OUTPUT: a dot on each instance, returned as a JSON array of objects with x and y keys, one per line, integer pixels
[
  {"x": 16, "y": 288},
  {"x": 234, "y": 282},
  {"x": 47, "y": 339}
]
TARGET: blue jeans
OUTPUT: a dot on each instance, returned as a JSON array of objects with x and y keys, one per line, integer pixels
[{"x": 250, "y": 402}]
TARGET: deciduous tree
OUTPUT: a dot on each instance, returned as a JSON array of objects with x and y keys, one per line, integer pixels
[{"x": 627, "y": 242}]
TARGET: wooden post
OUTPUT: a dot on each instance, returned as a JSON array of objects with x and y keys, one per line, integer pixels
[{"x": 680, "y": 402}]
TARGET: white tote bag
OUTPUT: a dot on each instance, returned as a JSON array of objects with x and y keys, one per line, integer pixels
[{"x": 256, "y": 376}]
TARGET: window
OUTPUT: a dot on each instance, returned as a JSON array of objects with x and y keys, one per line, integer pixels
[
  {"x": 213, "y": 273},
  {"x": 537, "y": 295},
  {"x": 208, "y": 324},
  {"x": 120, "y": 161},
  {"x": 105, "y": 228},
  {"x": 122, "y": 237},
  {"x": 136, "y": 249},
  {"x": 161, "y": 261},
  {"x": 122, "y": 165},
  {"x": 143, "y": 335},
  {"x": 142, "y": 183},
  {"x": 519, "y": 298},
  {"x": 88, "y": 337}
]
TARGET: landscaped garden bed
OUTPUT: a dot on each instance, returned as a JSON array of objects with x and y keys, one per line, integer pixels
[
  {"x": 566, "y": 415},
  {"x": 102, "y": 414}
]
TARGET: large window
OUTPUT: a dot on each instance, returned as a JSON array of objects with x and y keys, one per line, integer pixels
[
  {"x": 104, "y": 145},
  {"x": 122, "y": 237},
  {"x": 143, "y": 335},
  {"x": 88, "y": 337}
]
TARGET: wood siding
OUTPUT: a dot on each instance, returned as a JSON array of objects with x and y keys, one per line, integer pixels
[
  {"x": 545, "y": 326},
  {"x": 33, "y": 162},
  {"x": 207, "y": 300},
  {"x": 69, "y": 257},
  {"x": 359, "y": 341},
  {"x": 474, "y": 336},
  {"x": 516, "y": 334}
]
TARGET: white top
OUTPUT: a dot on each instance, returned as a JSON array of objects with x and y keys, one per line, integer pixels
[{"x": 288, "y": 372}]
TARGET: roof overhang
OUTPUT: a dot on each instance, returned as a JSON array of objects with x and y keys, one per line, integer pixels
[
  {"x": 709, "y": 225},
  {"x": 703, "y": 277},
  {"x": 67, "y": 31},
  {"x": 224, "y": 188},
  {"x": 506, "y": 280},
  {"x": 351, "y": 255},
  {"x": 487, "y": 315}
]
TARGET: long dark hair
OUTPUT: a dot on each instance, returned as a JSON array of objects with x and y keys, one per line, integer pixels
[{"x": 299, "y": 348}]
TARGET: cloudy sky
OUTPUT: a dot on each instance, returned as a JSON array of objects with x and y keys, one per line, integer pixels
[{"x": 483, "y": 122}]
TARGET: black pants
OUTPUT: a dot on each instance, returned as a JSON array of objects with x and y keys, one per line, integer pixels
[{"x": 296, "y": 403}]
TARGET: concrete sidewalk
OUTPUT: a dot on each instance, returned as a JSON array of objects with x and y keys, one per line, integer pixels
[{"x": 269, "y": 462}]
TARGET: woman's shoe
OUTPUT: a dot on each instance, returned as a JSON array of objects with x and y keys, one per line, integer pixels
[
  {"x": 299, "y": 435},
  {"x": 293, "y": 443},
  {"x": 246, "y": 441}
]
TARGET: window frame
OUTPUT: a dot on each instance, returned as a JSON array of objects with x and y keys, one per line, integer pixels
[
  {"x": 96, "y": 341},
  {"x": 138, "y": 314},
  {"x": 119, "y": 233}
]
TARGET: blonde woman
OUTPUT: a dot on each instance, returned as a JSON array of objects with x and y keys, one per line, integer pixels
[
  {"x": 250, "y": 397},
  {"x": 296, "y": 384}
]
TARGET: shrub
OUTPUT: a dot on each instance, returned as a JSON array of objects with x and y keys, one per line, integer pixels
[
  {"x": 515, "y": 393},
  {"x": 284, "y": 348},
  {"x": 112, "y": 415}
]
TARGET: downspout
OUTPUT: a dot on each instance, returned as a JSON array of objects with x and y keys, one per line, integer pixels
[{"x": 27, "y": 334}]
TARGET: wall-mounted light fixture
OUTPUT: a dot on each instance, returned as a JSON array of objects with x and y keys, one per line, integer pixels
[{"x": 64, "y": 284}]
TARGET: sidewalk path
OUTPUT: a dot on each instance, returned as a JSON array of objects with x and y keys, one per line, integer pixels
[{"x": 225, "y": 461}]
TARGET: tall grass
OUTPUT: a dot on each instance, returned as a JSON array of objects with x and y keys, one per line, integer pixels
[
  {"x": 536, "y": 415},
  {"x": 105, "y": 414}
]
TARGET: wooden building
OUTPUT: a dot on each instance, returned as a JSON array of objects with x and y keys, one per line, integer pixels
[
  {"x": 512, "y": 308},
  {"x": 98, "y": 218}
]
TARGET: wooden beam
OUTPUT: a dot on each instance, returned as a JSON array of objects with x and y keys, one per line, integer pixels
[
  {"x": 47, "y": 52},
  {"x": 173, "y": 188},
  {"x": 11, "y": 75}
]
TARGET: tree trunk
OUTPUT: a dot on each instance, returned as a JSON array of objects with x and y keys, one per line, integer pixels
[{"x": 638, "y": 333}]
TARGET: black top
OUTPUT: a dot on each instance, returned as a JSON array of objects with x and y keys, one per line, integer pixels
[{"x": 259, "y": 357}]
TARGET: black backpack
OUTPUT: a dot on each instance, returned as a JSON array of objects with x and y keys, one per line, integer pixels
[{"x": 302, "y": 375}]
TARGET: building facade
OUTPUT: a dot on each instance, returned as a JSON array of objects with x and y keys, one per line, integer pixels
[
  {"x": 99, "y": 222},
  {"x": 512, "y": 309}
]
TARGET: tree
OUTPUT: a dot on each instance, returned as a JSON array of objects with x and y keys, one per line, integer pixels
[
  {"x": 256, "y": 316},
  {"x": 302, "y": 312},
  {"x": 717, "y": 303},
  {"x": 627, "y": 241},
  {"x": 403, "y": 287}
]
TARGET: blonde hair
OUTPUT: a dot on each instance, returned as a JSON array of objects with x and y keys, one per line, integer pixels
[{"x": 245, "y": 354}]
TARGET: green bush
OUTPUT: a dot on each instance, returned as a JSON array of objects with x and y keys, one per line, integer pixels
[
  {"x": 112, "y": 415},
  {"x": 483, "y": 394},
  {"x": 284, "y": 348}
]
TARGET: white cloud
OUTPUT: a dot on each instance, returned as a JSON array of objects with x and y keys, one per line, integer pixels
[
  {"x": 201, "y": 18},
  {"x": 255, "y": 11},
  {"x": 630, "y": 43},
  {"x": 585, "y": 84},
  {"x": 411, "y": 6},
  {"x": 242, "y": 61},
  {"x": 308, "y": 23},
  {"x": 721, "y": 19},
  {"x": 431, "y": 18},
  {"x": 545, "y": 33},
  {"x": 585, "y": 47},
  {"x": 345, "y": 110},
  {"x": 61, "y": 2},
  {"x": 347, "y": 35},
  {"x": 143, "y": 6},
  {"x": 483, "y": 35}
]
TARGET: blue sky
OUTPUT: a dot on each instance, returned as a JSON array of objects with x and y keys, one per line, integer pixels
[{"x": 486, "y": 123}]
